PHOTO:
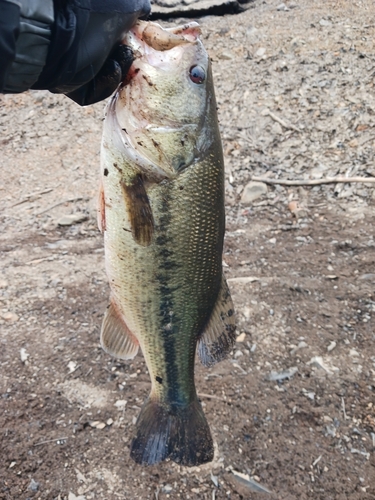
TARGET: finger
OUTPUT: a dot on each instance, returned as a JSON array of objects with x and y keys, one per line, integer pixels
[
  {"x": 124, "y": 57},
  {"x": 101, "y": 87}
]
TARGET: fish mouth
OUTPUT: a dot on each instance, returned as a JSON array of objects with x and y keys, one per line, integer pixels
[{"x": 148, "y": 35}]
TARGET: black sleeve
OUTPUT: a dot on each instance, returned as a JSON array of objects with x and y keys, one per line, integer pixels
[
  {"x": 62, "y": 45},
  {"x": 25, "y": 33},
  {"x": 85, "y": 32},
  {"x": 71, "y": 19},
  {"x": 9, "y": 30}
]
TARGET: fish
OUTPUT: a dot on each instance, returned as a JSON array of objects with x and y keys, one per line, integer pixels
[{"x": 161, "y": 210}]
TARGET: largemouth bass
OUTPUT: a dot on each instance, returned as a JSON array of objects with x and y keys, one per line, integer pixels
[{"x": 162, "y": 214}]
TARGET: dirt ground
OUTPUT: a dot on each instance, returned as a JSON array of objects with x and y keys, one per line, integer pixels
[{"x": 294, "y": 406}]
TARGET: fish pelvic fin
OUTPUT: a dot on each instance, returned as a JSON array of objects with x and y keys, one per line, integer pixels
[
  {"x": 219, "y": 335},
  {"x": 139, "y": 211},
  {"x": 180, "y": 433},
  {"x": 115, "y": 337}
]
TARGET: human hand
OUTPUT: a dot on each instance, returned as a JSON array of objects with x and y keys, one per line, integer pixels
[{"x": 86, "y": 60}]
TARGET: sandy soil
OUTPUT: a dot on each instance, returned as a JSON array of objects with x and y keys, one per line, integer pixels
[{"x": 294, "y": 406}]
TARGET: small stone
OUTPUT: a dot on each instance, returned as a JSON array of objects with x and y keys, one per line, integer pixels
[
  {"x": 33, "y": 486},
  {"x": 293, "y": 206},
  {"x": 72, "y": 366},
  {"x": 238, "y": 354},
  {"x": 167, "y": 488},
  {"x": 369, "y": 276},
  {"x": 251, "y": 31},
  {"x": 353, "y": 353},
  {"x": 72, "y": 496},
  {"x": 297, "y": 210},
  {"x": 253, "y": 190},
  {"x": 331, "y": 346},
  {"x": 215, "y": 480},
  {"x": 309, "y": 394},
  {"x": 276, "y": 376},
  {"x": 318, "y": 362},
  {"x": 301, "y": 345},
  {"x": 260, "y": 52},
  {"x": 324, "y": 22},
  {"x": 120, "y": 404},
  {"x": 226, "y": 56},
  {"x": 109, "y": 421},
  {"x": 283, "y": 7},
  {"x": 81, "y": 478},
  {"x": 23, "y": 355},
  {"x": 97, "y": 425},
  {"x": 3, "y": 283},
  {"x": 241, "y": 337},
  {"x": 10, "y": 317},
  {"x": 330, "y": 430},
  {"x": 70, "y": 220}
]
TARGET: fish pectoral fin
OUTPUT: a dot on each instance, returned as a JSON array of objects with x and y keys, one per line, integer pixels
[
  {"x": 139, "y": 210},
  {"x": 219, "y": 335},
  {"x": 115, "y": 337}
]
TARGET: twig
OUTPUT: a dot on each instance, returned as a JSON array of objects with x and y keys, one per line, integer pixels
[
  {"x": 31, "y": 195},
  {"x": 343, "y": 407},
  {"x": 277, "y": 119},
  {"x": 314, "y": 182},
  {"x": 51, "y": 441},
  {"x": 69, "y": 200},
  {"x": 211, "y": 396},
  {"x": 243, "y": 279},
  {"x": 317, "y": 460},
  {"x": 236, "y": 365}
]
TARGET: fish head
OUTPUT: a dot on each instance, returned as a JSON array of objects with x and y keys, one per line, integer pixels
[{"x": 166, "y": 106}]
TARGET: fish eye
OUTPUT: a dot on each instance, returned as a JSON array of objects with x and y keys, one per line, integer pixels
[{"x": 197, "y": 74}]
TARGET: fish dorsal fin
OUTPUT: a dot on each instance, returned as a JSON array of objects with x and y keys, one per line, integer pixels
[
  {"x": 219, "y": 335},
  {"x": 115, "y": 337},
  {"x": 139, "y": 210}
]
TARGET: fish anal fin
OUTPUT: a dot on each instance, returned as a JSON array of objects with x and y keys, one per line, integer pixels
[
  {"x": 101, "y": 209},
  {"x": 139, "y": 210},
  {"x": 115, "y": 337},
  {"x": 219, "y": 335}
]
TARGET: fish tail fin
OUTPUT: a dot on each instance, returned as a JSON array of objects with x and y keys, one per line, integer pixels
[{"x": 180, "y": 433}]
